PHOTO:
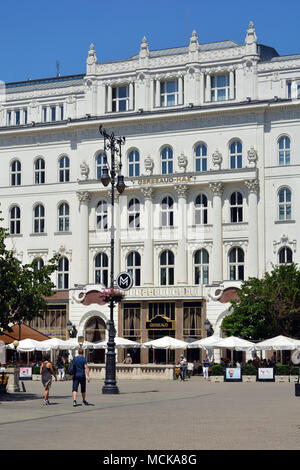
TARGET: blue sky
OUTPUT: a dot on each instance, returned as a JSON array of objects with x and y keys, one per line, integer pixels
[{"x": 35, "y": 34}]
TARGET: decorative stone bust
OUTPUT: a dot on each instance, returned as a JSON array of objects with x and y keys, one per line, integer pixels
[
  {"x": 217, "y": 160},
  {"x": 252, "y": 156},
  {"x": 84, "y": 170},
  {"x": 149, "y": 165},
  {"x": 182, "y": 162}
]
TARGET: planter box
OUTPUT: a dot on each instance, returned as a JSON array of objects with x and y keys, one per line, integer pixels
[
  {"x": 249, "y": 378},
  {"x": 282, "y": 378},
  {"x": 217, "y": 378}
]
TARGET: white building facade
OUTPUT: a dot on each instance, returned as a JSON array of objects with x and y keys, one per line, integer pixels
[{"x": 212, "y": 173}]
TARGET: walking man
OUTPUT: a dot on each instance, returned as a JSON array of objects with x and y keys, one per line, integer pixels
[
  {"x": 182, "y": 367},
  {"x": 60, "y": 367},
  {"x": 205, "y": 366},
  {"x": 81, "y": 374},
  {"x": 46, "y": 371}
]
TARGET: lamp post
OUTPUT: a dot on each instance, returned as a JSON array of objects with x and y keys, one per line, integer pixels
[
  {"x": 108, "y": 175},
  {"x": 16, "y": 344}
]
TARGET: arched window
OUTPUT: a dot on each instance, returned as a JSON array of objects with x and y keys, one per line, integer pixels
[
  {"x": 134, "y": 267},
  {"x": 134, "y": 163},
  {"x": 236, "y": 160},
  {"x": 201, "y": 210},
  {"x": 284, "y": 149},
  {"x": 167, "y": 268},
  {"x": 15, "y": 173},
  {"x": 39, "y": 171},
  {"x": 64, "y": 169},
  {"x": 101, "y": 162},
  {"x": 101, "y": 269},
  {"x": 285, "y": 204},
  {"x": 236, "y": 264},
  {"x": 95, "y": 329},
  {"x": 15, "y": 220},
  {"x": 134, "y": 213},
  {"x": 39, "y": 219},
  {"x": 201, "y": 157},
  {"x": 201, "y": 266},
  {"x": 101, "y": 215},
  {"x": 285, "y": 255},
  {"x": 63, "y": 273},
  {"x": 236, "y": 207},
  {"x": 167, "y": 212},
  {"x": 167, "y": 161},
  {"x": 64, "y": 217}
]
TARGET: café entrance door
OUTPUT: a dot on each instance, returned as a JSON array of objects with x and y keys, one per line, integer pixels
[{"x": 94, "y": 332}]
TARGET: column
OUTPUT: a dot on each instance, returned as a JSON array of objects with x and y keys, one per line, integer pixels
[
  {"x": 216, "y": 263},
  {"x": 147, "y": 263},
  {"x": 181, "y": 258},
  {"x": 152, "y": 94},
  {"x": 157, "y": 93},
  {"x": 109, "y": 98},
  {"x": 82, "y": 275},
  {"x": 231, "y": 85},
  {"x": 208, "y": 88},
  {"x": 131, "y": 97},
  {"x": 180, "y": 90},
  {"x": 252, "y": 186}
]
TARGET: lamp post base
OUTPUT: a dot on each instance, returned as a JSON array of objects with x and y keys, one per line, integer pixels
[{"x": 110, "y": 389}]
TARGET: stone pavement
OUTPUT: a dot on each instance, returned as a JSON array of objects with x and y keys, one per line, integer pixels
[{"x": 159, "y": 415}]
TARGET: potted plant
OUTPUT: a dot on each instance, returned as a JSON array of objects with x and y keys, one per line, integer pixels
[
  {"x": 108, "y": 295},
  {"x": 249, "y": 373},
  {"x": 217, "y": 371}
]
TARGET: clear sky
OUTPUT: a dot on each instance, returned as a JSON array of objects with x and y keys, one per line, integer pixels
[{"x": 34, "y": 34}]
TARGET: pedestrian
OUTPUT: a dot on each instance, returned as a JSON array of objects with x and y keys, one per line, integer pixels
[
  {"x": 60, "y": 363},
  {"x": 205, "y": 366},
  {"x": 128, "y": 359},
  {"x": 46, "y": 371},
  {"x": 81, "y": 374},
  {"x": 182, "y": 367}
]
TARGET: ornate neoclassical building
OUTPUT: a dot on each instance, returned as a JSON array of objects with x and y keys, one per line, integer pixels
[{"x": 212, "y": 172}]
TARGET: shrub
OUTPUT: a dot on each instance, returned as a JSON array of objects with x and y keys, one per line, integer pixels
[
  {"x": 217, "y": 369},
  {"x": 282, "y": 370},
  {"x": 249, "y": 369},
  {"x": 36, "y": 370}
]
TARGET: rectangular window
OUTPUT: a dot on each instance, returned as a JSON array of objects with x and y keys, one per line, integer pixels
[
  {"x": 120, "y": 99},
  {"x": 132, "y": 321},
  {"x": 192, "y": 319},
  {"x": 17, "y": 117},
  {"x": 44, "y": 111},
  {"x": 169, "y": 93},
  {"x": 220, "y": 88},
  {"x": 61, "y": 112},
  {"x": 53, "y": 113}
]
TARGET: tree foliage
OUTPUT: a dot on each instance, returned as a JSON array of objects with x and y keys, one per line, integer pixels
[
  {"x": 267, "y": 307},
  {"x": 23, "y": 288}
]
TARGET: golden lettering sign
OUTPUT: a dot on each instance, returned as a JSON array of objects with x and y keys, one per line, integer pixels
[{"x": 166, "y": 180}]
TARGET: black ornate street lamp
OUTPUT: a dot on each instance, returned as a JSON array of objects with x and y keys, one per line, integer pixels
[
  {"x": 108, "y": 175},
  {"x": 72, "y": 330}
]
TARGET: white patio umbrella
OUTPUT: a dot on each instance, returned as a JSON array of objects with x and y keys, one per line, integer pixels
[
  {"x": 239, "y": 344},
  {"x": 278, "y": 343},
  {"x": 209, "y": 342},
  {"x": 166, "y": 342},
  {"x": 52, "y": 343},
  {"x": 119, "y": 342},
  {"x": 27, "y": 345}
]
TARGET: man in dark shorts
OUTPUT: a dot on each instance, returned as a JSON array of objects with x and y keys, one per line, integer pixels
[{"x": 81, "y": 373}]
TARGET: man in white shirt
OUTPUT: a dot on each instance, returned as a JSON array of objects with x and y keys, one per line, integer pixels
[{"x": 182, "y": 367}]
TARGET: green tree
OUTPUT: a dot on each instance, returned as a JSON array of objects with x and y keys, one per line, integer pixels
[
  {"x": 267, "y": 307},
  {"x": 23, "y": 288}
]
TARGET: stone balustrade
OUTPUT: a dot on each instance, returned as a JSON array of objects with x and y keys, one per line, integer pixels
[{"x": 135, "y": 371}]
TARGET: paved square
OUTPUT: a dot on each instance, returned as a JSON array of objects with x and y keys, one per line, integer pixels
[{"x": 156, "y": 415}]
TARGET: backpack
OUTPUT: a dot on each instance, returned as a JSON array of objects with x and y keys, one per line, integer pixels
[{"x": 72, "y": 368}]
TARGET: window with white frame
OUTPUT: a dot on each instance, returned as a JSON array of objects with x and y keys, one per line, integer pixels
[
  {"x": 17, "y": 117},
  {"x": 39, "y": 171},
  {"x": 167, "y": 212},
  {"x": 101, "y": 269},
  {"x": 236, "y": 207},
  {"x": 64, "y": 169},
  {"x": 39, "y": 219},
  {"x": 167, "y": 161},
  {"x": 236, "y": 259},
  {"x": 102, "y": 215},
  {"x": 236, "y": 154},
  {"x": 285, "y": 204},
  {"x": 220, "y": 87},
  {"x": 201, "y": 157},
  {"x": 201, "y": 266},
  {"x": 284, "y": 150},
  {"x": 15, "y": 173},
  {"x": 201, "y": 210},
  {"x": 285, "y": 255},
  {"x": 101, "y": 162},
  {"x": 120, "y": 98},
  {"x": 169, "y": 93},
  {"x": 134, "y": 213},
  {"x": 134, "y": 163},
  {"x": 64, "y": 217},
  {"x": 167, "y": 268},
  {"x": 63, "y": 273},
  {"x": 134, "y": 267},
  {"x": 15, "y": 220}
]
